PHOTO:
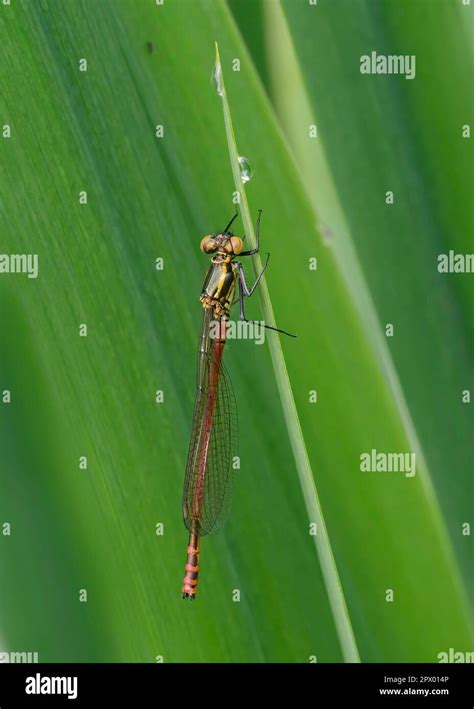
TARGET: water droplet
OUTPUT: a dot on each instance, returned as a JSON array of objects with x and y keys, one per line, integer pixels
[
  {"x": 246, "y": 169},
  {"x": 216, "y": 79}
]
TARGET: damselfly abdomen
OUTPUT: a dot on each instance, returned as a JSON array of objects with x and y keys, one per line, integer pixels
[{"x": 214, "y": 434}]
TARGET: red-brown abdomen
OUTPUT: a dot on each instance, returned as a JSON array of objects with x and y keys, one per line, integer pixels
[{"x": 191, "y": 576}]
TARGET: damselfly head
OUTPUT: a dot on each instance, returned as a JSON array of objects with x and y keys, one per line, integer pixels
[{"x": 226, "y": 244}]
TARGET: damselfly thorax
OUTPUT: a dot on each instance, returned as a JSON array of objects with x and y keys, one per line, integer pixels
[
  {"x": 214, "y": 440},
  {"x": 219, "y": 287}
]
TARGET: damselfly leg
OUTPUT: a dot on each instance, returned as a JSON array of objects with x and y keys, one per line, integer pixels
[
  {"x": 243, "y": 283},
  {"x": 244, "y": 290},
  {"x": 226, "y": 230},
  {"x": 257, "y": 237}
]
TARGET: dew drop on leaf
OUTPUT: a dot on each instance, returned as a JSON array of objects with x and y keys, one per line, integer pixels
[{"x": 246, "y": 169}]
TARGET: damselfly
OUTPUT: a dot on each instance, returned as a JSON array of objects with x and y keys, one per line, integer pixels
[{"x": 214, "y": 434}]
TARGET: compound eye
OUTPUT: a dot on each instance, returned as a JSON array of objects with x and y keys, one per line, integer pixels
[
  {"x": 208, "y": 245},
  {"x": 237, "y": 244}
]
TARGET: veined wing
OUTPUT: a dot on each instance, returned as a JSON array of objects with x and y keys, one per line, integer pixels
[{"x": 208, "y": 481}]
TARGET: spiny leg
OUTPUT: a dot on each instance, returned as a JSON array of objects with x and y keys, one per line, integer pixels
[
  {"x": 230, "y": 223},
  {"x": 257, "y": 236},
  {"x": 246, "y": 293}
]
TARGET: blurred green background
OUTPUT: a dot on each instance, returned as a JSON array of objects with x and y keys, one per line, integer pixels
[{"x": 148, "y": 198}]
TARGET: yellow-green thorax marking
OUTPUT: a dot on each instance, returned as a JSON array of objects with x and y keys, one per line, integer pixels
[{"x": 219, "y": 285}]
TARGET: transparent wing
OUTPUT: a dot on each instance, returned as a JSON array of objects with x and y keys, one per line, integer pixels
[{"x": 207, "y": 490}]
